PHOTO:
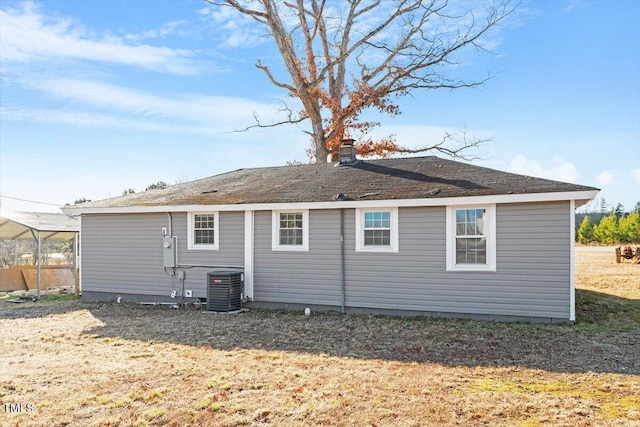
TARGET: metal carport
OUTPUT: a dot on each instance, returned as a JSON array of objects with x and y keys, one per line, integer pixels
[{"x": 39, "y": 226}]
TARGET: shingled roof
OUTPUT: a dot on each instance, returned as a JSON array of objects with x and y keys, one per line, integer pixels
[{"x": 386, "y": 179}]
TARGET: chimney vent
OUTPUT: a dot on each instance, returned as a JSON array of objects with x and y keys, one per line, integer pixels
[{"x": 347, "y": 152}]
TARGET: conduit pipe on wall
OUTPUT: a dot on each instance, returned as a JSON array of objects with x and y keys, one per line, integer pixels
[{"x": 342, "y": 264}]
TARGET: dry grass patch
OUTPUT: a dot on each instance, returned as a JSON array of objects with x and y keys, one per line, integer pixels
[
  {"x": 597, "y": 270},
  {"x": 126, "y": 365}
]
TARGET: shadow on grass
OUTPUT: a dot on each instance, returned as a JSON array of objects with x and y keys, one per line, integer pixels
[
  {"x": 46, "y": 306},
  {"x": 604, "y": 339},
  {"x": 606, "y": 312}
]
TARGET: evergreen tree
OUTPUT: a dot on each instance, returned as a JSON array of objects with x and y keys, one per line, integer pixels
[
  {"x": 629, "y": 228},
  {"x": 618, "y": 211},
  {"x": 607, "y": 230},
  {"x": 586, "y": 231}
]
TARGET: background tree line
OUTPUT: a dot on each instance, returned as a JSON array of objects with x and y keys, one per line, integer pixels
[{"x": 609, "y": 226}]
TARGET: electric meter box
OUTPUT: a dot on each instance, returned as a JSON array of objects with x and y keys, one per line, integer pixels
[{"x": 169, "y": 251}]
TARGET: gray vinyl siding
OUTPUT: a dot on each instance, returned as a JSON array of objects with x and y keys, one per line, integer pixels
[
  {"x": 123, "y": 253},
  {"x": 532, "y": 277},
  {"x": 311, "y": 277},
  {"x": 230, "y": 252}
]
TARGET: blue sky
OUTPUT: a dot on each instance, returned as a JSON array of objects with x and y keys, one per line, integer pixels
[{"x": 100, "y": 96}]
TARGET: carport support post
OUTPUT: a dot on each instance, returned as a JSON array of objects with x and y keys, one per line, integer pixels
[
  {"x": 39, "y": 243},
  {"x": 38, "y": 240},
  {"x": 76, "y": 277}
]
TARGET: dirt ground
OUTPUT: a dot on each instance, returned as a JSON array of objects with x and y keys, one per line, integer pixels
[{"x": 68, "y": 363}]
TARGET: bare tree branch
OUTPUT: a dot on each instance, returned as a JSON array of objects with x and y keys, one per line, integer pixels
[
  {"x": 460, "y": 150},
  {"x": 354, "y": 55},
  {"x": 273, "y": 79},
  {"x": 291, "y": 119}
]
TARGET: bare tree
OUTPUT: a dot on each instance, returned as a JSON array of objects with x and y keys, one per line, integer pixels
[{"x": 344, "y": 57}]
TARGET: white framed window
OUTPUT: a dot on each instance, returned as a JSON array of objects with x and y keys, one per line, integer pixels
[
  {"x": 471, "y": 238},
  {"x": 377, "y": 230},
  {"x": 290, "y": 230},
  {"x": 203, "y": 231}
]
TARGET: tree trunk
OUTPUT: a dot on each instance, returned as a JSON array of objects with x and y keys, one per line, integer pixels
[{"x": 321, "y": 152}]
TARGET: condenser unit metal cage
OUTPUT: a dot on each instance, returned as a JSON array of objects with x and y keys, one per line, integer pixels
[{"x": 224, "y": 290}]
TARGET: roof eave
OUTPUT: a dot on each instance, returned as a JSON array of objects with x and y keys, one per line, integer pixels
[{"x": 582, "y": 196}]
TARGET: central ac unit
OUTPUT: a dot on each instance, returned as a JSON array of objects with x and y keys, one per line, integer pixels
[{"x": 224, "y": 290}]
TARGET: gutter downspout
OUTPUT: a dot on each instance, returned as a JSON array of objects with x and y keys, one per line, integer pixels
[{"x": 343, "y": 285}]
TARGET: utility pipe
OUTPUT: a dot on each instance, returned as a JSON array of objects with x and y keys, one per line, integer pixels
[{"x": 342, "y": 264}]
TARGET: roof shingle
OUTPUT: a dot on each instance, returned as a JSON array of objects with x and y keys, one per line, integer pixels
[{"x": 386, "y": 179}]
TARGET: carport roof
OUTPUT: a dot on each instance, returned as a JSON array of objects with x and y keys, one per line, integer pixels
[{"x": 52, "y": 226}]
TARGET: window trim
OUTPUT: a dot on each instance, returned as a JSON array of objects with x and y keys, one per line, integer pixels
[
  {"x": 191, "y": 245},
  {"x": 394, "y": 241},
  {"x": 489, "y": 232},
  {"x": 275, "y": 231}
]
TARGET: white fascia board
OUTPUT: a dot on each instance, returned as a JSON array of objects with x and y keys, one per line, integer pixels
[
  {"x": 572, "y": 260},
  {"x": 443, "y": 201}
]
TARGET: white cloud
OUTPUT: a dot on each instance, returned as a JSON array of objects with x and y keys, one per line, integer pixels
[
  {"x": 606, "y": 178},
  {"x": 207, "y": 110},
  {"x": 96, "y": 120},
  {"x": 165, "y": 30},
  {"x": 27, "y": 35},
  {"x": 123, "y": 108},
  {"x": 234, "y": 28},
  {"x": 559, "y": 169},
  {"x": 634, "y": 174}
]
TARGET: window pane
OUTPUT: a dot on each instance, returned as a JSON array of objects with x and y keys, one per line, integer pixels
[
  {"x": 461, "y": 251},
  {"x": 377, "y": 219},
  {"x": 204, "y": 237},
  {"x": 471, "y": 250},
  {"x": 377, "y": 237},
  {"x": 470, "y": 222},
  {"x": 480, "y": 223},
  {"x": 377, "y": 228},
  {"x": 291, "y": 228},
  {"x": 368, "y": 219},
  {"x": 468, "y": 229},
  {"x": 290, "y": 237},
  {"x": 204, "y": 229},
  {"x": 474, "y": 229}
]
